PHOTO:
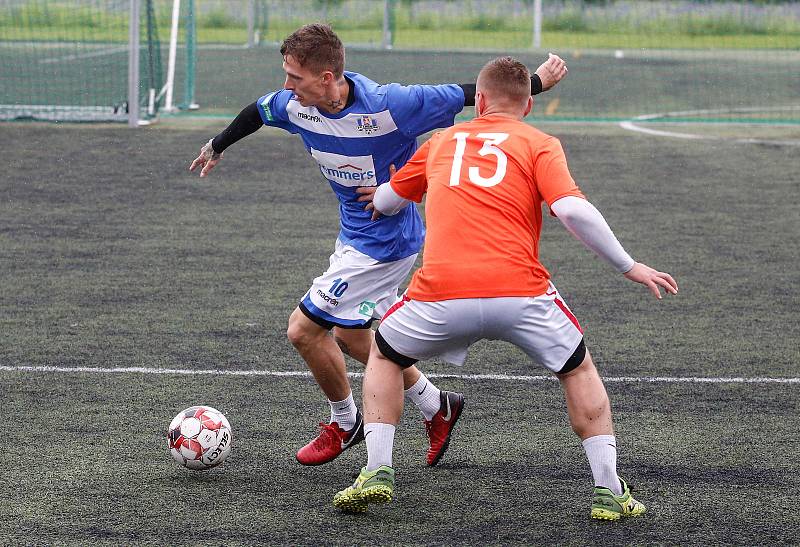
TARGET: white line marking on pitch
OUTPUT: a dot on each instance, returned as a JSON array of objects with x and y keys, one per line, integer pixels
[
  {"x": 632, "y": 125},
  {"x": 305, "y": 374},
  {"x": 87, "y": 55}
]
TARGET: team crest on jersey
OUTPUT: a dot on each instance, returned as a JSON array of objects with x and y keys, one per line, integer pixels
[{"x": 366, "y": 124}]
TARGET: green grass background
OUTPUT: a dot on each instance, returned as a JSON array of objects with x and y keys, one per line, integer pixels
[
  {"x": 607, "y": 26},
  {"x": 415, "y": 38},
  {"x": 114, "y": 255}
]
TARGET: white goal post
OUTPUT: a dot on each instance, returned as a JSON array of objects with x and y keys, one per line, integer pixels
[
  {"x": 169, "y": 86},
  {"x": 168, "y": 91},
  {"x": 537, "y": 24},
  {"x": 133, "y": 63}
]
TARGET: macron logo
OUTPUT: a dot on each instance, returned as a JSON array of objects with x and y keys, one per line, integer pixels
[{"x": 309, "y": 117}]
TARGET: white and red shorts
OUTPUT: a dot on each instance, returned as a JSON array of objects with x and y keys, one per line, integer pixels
[{"x": 541, "y": 326}]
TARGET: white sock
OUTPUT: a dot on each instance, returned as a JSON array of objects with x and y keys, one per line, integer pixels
[
  {"x": 344, "y": 412},
  {"x": 425, "y": 395},
  {"x": 601, "y": 450},
  {"x": 380, "y": 440}
]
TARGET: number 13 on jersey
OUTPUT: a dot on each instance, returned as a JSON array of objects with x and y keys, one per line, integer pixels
[{"x": 490, "y": 142}]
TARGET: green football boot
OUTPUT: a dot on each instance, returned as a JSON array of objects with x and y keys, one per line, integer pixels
[
  {"x": 370, "y": 487},
  {"x": 608, "y": 506}
]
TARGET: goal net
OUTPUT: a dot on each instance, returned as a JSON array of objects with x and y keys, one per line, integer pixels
[{"x": 71, "y": 59}]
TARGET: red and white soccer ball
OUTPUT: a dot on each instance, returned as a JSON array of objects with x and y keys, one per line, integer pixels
[{"x": 200, "y": 437}]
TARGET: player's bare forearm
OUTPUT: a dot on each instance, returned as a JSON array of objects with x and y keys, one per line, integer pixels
[{"x": 652, "y": 279}]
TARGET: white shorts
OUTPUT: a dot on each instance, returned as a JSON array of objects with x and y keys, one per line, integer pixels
[
  {"x": 541, "y": 326},
  {"x": 355, "y": 289}
]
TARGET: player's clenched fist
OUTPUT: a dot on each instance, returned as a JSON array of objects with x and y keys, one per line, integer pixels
[
  {"x": 207, "y": 159},
  {"x": 551, "y": 71}
]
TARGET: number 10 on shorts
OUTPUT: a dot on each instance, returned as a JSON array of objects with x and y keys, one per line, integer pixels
[{"x": 338, "y": 287}]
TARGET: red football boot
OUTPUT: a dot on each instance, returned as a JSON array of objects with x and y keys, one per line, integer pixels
[
  {"x": 332, "y": 441},
  {"x": 441, "y": 426}
]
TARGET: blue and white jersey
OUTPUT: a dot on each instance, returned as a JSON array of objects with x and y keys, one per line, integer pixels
[{"x": 356, "y": 146}]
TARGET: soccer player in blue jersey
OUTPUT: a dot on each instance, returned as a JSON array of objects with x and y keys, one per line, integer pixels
[{"x": 355, "y": 129}]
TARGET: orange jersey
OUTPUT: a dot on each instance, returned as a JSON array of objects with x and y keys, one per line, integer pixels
[{"x": 485, "y": 182}]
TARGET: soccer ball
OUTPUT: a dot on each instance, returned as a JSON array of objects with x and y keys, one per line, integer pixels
[{"x": 200, "y": 437}]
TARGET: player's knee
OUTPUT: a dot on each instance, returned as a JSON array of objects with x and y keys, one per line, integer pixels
[
  {"x": 593, "y": 414},
  {"x": 301, "y": 332},
  {"x": 595, "y": 404},
  {"x": 295, "y": 333}
]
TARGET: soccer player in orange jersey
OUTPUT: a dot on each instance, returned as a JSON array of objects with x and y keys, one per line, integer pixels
[{"x": 481, "y": 278}]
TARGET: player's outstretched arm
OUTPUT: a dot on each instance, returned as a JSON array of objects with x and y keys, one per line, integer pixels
[
  {"x": 248, "y": 121},
  {"x": 586, "y": 223},
  {"x": 549, "y": 73},
  {"x": 552, "y": 71}
]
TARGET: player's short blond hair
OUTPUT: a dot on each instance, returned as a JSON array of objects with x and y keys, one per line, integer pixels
[
  {"x": 505, "y": 78},
  {"x": 317, "y": 48}
]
